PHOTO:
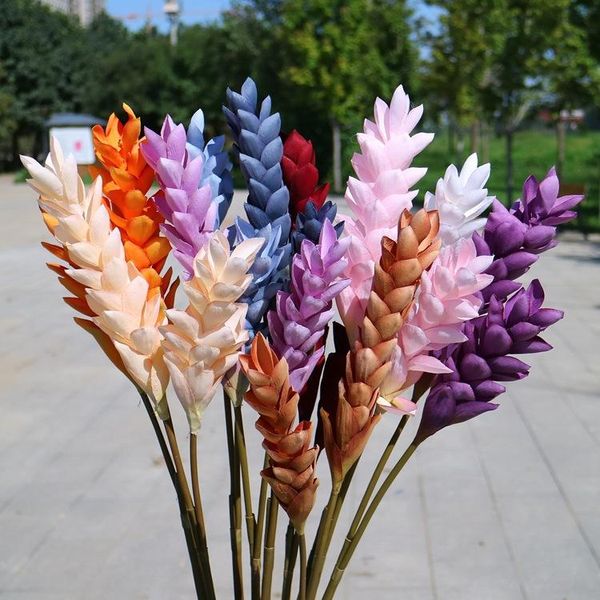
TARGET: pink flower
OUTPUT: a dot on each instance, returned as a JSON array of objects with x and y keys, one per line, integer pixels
[{"x": 379, "y": 195}]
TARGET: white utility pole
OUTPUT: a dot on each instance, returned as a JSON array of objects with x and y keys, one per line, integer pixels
[{"x": 172, "y": 9}]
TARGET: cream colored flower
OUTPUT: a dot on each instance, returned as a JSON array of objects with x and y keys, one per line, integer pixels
[
  {"x": 76, "y": 218},
  {"x": 131, "y": 319},
  {"x": 110, "y": 288},
  {"x": 203, "y": 342}
]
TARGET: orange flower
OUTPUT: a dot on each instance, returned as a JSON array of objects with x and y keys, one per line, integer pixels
[
  {"x": 127, "y": 179},
  {"x": 291, "y": 468}
]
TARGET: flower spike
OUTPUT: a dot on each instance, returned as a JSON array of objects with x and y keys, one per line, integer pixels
[
  {"x": 291, "y": 470},
  {"x": 109, "y": 289},
  {"x": 127, "y": 178},
  {"x": 260, "y": 149},
  {"x": 348, "y": 427},
  {"x": 379, "y": 195},
  {"x": 203, "y": 342},
  {"x": 460, "y": 199},
  {"x": 297, "y": 325},
  {"x": 485, "y": 359}
]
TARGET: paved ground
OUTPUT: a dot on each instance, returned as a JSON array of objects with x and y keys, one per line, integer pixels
[{"x": 503, "y": 508}]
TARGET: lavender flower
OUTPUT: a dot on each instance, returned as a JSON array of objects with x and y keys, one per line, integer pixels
[
  {"x": 298, "y": 323},
  {"x": 257, "y": 141},
  {"x": 485, "y": 359},
  {"x": 515, "y": 237},
  {"x": 186, "y": 205}
]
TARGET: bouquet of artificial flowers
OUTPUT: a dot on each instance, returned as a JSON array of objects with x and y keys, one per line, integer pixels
[{"x": 432, "y": 313}]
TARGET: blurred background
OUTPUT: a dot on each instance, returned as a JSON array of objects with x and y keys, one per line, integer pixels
[{"x": 516, "y": 81}]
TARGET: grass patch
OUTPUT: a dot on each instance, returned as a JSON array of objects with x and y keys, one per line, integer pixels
[{"x": 534, "y": 153}]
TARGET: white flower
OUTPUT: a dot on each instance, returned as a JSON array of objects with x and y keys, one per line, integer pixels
[{"x": 460, "y": 198}]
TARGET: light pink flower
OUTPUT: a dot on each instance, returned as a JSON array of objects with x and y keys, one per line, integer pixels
[
  {"x": 460, "y": 197},
  {"x": 378, "y": 195}
]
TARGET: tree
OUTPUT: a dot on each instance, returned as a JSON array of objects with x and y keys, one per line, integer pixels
[
  {"x": 340, "y": 54},
  {"x": 526, "y": 29},
  {"x": 462, "y": 52},
  {"x": 7, "y": 123},
  {"x": 572, "y": 74},
  {"x": 41, "y": 53}
]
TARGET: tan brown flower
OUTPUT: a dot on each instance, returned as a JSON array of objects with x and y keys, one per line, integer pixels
[{"x": 395, "y": 281}]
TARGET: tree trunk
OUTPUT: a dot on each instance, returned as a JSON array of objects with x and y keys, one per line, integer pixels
[
  {"x": 337, "y": 156},
  {"x": 509, "y": 165},
  {"x": 561, "y": 139},
  {"x": 475, "y": 136},
  {"x": 451, "y": 141},
  {"x": 485, "y": 143},
  {"x": 14, "y": 159}
]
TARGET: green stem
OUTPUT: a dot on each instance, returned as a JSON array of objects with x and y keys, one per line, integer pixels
[
  {"x": 160, "y": 437},
  {"x": 377, "y": 474},
  {"x": 343, "y": 491},
  {"x": 235, "y": 510},
  {"x": 291, "y": 552},
  {"x": 302, "y": 543},
  {"x": 240, "y": 440},
  {"x": 419, "y": 389},
  {"x": 321, "y": 544},
  {"x": 199, "y": 581},
  {"x": 338, "y": 507},
  {"x": 198, "y": 506},
  {"x": 187, "y": 507},
  {"x": 269, "y": 551},
  {"x": 344, "y": 557},
  {"x": 258, "y": 533}
]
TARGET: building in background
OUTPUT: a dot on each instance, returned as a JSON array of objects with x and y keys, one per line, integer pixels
[{"x": 84, "y": 10}]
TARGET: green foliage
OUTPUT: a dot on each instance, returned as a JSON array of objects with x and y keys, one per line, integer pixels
[
  {"x": 341, "y": 54},
  {"x": 42, "y": 57},
  {"x": 463, "y": 52},
  {"x": 534, "y": 153}
]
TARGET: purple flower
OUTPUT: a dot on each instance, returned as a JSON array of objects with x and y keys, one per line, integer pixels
[
  {"x": 515, "y": 237},
  {"x": 186, "y": 205},
  {"x": 297, "y": 326},
  {"x": 486, "y": 359},
  {"x": 260, "y": 149}
]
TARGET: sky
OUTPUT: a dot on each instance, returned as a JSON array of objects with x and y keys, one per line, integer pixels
[{"x": 133, "y": 12}]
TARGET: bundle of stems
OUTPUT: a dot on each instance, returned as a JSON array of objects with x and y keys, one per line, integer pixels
[{"x": 261, "y": 527}]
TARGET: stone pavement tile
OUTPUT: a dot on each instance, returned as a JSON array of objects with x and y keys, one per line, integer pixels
[
  {"x": 393, "y": 551},
  {"x": 21, "y": 536},
  {"x": 30, "y": 593},
  {"x": 397, "y": 592},
  {"x": 586, "y": 409},
  {"x": 469, "y": 553},
  {"x": 566, "y": 446},
  {"x": 535, "y": 519},
  {"x": 82, "y": 476}
]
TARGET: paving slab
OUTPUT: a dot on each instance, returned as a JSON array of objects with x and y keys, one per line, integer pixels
[{"x": 506, "y": 507}]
